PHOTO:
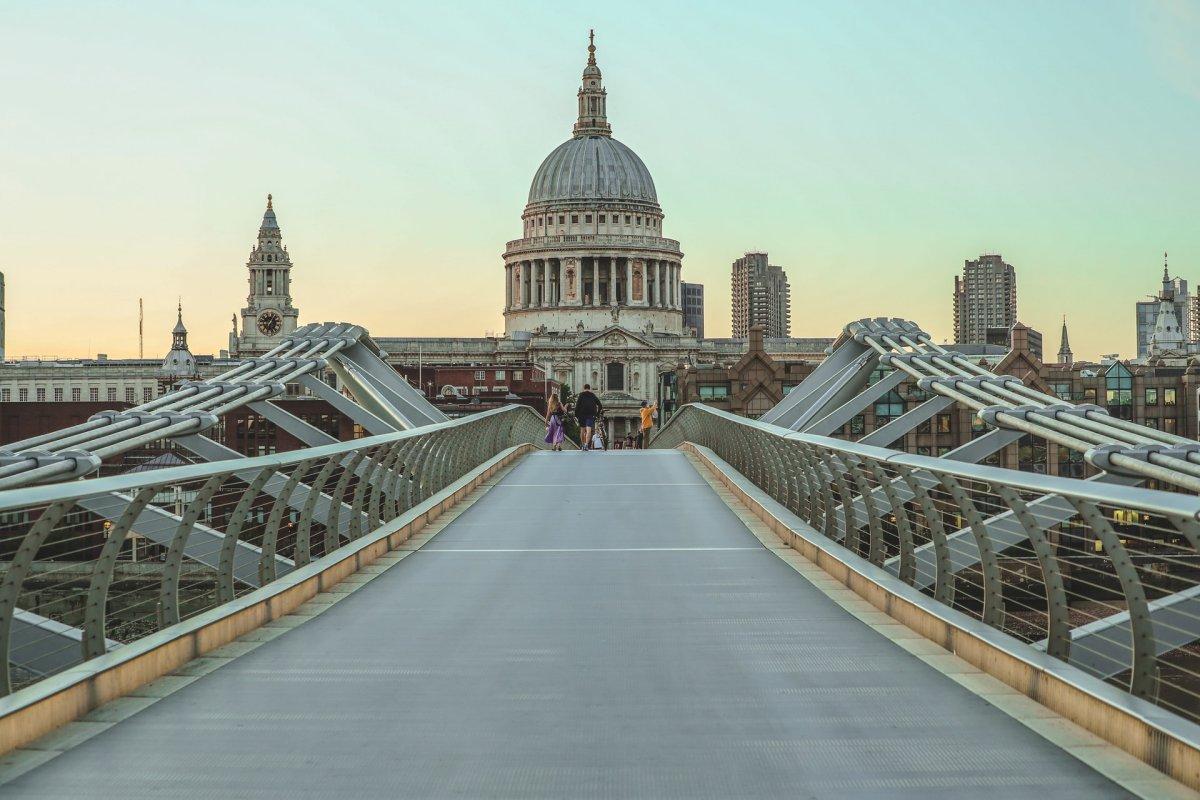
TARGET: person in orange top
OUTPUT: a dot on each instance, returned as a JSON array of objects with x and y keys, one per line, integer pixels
[{"x": 648, "y": 412}]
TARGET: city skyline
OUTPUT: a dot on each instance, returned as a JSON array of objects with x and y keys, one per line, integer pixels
[{"x": 394, "y": 166}]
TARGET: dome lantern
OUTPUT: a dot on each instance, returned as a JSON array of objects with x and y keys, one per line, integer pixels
[{"x": 593, "y": 99}]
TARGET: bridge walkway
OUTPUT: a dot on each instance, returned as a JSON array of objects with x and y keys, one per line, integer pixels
[{"x": 594, "y": 625}]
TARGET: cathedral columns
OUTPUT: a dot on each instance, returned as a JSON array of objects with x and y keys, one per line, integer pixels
[
  {"x": 508, "y": 273},
  {"x": 595, "y": 280},
  {"x": 545, "y": 282},
  {"x": 526, "y": 270},
  {"x": 628, "y": 282},
  {"x": 612, "y": 281}
]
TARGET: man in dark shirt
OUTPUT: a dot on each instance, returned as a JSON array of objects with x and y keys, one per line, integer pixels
[{"x": 587, "y": 409}]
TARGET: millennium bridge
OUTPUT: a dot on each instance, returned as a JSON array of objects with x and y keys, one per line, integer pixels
[{"x": 749, "y": 608}]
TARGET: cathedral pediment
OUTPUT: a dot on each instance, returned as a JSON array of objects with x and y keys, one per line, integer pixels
[{"x": 614, "y": 337}]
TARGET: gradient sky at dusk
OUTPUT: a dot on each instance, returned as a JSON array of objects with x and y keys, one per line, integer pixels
[{"x": 869, "y": 147}]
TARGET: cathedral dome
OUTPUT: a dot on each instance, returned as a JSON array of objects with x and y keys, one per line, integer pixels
[{"x": 594, "y": 167}]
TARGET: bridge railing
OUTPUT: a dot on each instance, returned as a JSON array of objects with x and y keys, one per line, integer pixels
[
  {"x": 1103, "y": 576},
  {"x": 90, "y": 565}
]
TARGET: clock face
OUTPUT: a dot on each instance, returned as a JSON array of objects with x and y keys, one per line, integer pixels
[{"x": 269, "y": 323}]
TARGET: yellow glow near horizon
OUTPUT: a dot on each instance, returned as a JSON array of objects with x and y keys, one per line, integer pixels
[{"x": 868, "y": 148}]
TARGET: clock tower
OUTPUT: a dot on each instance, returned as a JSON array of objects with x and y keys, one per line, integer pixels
[{"x": 269, "y": 314}]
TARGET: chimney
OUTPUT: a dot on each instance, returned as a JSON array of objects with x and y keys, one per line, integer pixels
[{"x": 756, "y": 339}]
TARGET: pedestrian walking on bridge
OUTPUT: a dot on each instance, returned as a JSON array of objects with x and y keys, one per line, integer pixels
[
  {"x": 554, "y": 422},
  {"x": 587, "y": 410}
]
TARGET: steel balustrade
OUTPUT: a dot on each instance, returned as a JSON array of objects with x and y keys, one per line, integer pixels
[
  {"x": 1089, "y": 586},
  {"x": 223, "y": 531}
]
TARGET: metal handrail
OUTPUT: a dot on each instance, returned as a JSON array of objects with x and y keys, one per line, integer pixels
[
  {"x": 1118, "y": 566},
  {"x": 244, "y": 522}
]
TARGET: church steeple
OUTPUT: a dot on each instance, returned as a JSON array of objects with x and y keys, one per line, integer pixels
[
  {"x": 1065, "y": 356},
  {"x": 593, "y": 99},
  {"x": 269, "y": 313}
]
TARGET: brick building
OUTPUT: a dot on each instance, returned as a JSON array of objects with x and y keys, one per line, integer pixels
[{"x": 753, "y": 383}]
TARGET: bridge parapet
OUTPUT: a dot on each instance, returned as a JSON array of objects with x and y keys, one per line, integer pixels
[
  {"x": 1100, "y": 575},
  {"x": 238, "y": 524}
]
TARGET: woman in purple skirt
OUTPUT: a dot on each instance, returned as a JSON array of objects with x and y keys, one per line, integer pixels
[{"x": 554, "y": 422}]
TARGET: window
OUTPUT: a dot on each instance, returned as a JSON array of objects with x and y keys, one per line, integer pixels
[
  {"x": 112, "y": 394},
  {"x": 5, "y": 395},
  {"x": 147, "y": 394},
  {"x": 1169, "y": 424},
  {"x": 58, "y": 395},
  {"x": 923, "y": 451},
  {"x": 129, "y": 395},
  {"x": 627, "y": 218},
  {"x": 1118, "y": 391},
  {"x": 574, "y": 218},
  {"x": 1168, "y": 397},
  {"x": 478, "y": 389},
  {"x": 857, "y": 425},
  {"x": 518, "y": 375},
  {"x": 480, "y": 375},
  {"x": 587, "y": 217},
  {"x": 1151, "y": 422},
  {"x": 714, "y": 391},
  {"x": 616, "y": 375},
  {"x": 943, "y": 423},
  {"x": 75, "y": 393},
  {"x": 94, "y": 395},
  {"x": 891, "y": 406},
  {"x": 1061, "y": 390},
  {"x": 562, "y": 218},
  {"x": 1152, "y": 397},
  {"x": 601, "y": 219},
  {"x": 23, "y": 395},
  {"x": 41, "y": 395}
]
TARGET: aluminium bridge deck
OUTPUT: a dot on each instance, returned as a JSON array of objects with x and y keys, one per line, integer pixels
[{"x": 596, "y": 625}]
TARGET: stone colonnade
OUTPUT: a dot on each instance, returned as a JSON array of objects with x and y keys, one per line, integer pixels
[{"x": 593, "y": 281}]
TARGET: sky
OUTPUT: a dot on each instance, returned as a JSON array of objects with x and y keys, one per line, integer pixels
[{"x": 869, "y": 147}]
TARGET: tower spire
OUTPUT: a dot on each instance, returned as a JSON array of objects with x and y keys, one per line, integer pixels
[
  {"x": 593, "y": 99},
  {"x": 1065, "y": 356}
]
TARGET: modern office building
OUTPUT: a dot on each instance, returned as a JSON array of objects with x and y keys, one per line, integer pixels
[
  {"x": 693, "y": 309},
  {"x": 985, "y": 296},
  {"x": 761, "y": 296}
]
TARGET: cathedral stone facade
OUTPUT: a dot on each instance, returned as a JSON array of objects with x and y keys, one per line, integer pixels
[
  {"x": 593, "y": 290},
  {"x": 593, "y": 254}
]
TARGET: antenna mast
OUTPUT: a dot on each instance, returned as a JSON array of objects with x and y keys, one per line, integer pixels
[{"x": 141, "y": 338}]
